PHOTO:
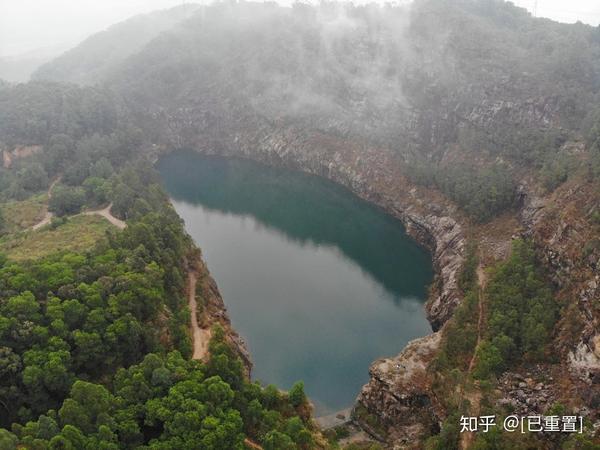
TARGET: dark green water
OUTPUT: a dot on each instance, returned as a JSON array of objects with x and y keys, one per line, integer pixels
[{"x": 318, "y": 282}]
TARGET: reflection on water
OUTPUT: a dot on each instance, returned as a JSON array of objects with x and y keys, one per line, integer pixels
[{"x": 318, "y": 282}]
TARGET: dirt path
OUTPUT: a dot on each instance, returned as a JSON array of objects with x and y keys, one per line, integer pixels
[
  {"x": 48, "y": 216},
  {"x": 482, "y": 280},
  {"x": 252, "y": 444},
  {"x": 200, "y": 336},
  {"x": 105, "y": 212},
  {"x": 474, "y": 394},
  {"x": 108, "y": 216}
]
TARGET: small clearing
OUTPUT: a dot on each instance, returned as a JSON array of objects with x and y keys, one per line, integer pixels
[{"x": 78, "y": 234}]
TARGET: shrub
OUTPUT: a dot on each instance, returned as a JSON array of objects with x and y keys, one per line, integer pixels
[{"x": 66, "y": 200}]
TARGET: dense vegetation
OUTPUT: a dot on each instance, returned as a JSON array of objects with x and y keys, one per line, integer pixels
[
  {"x": 83, "y": 133},
  {"x": 95, "y": 345},
  {"x": 74, "y": 327},
  {"x": 82, "y": 316},
  {"x": 522, "y": 314},
  {"x": 482, "y": 193},
  {"x": 171, "y": 402}
]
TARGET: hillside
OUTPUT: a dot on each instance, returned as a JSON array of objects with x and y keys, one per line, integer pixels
[
  {"x": 92, "y": 60},
  {"x": 483, "y": 77},
  {"x": 474, "y": 123}
]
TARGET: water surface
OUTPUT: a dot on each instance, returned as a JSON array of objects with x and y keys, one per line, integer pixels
[{"x": 318, "y": 282}]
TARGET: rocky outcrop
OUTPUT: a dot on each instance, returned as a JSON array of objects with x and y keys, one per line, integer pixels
[
  {"x": 584, "y": 360},
  {"x": 531, "y": 392},
  {"x": 396, "y": 405}
]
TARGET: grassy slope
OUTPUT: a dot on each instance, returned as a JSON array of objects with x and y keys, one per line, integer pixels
[
  {"x": 21, "y": 215},
  {"x": 77, "y": 234}
]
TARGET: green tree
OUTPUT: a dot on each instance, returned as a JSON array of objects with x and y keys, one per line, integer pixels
[
  {"x": 296, "y": 395},
  {"x": 66, "y": 200},
  {"x": 102, "y": 169},
  {"x": 88, "y": 406},
  {"x": 8, "y": 441},
  {"x": 97, "y": 190},
  {"x": 276, "y": 440},
  {"x": 489, "y": 361},
  {"x": 33, "y": 177}
]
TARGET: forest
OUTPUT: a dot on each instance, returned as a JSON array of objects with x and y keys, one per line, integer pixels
[{"x": 95, "y": 348}]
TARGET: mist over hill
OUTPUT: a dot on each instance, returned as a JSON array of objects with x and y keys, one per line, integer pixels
[
  {"x": 92, "y": 60},
  {"x": 424, "y": 80},
  {"x": 421, "y": 76}
]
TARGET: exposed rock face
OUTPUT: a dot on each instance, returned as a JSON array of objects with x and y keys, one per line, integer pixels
[
  {"x": 585, "y": 359},
  {"x": 563, "y": 236},
  {"x": 565, "y": 242},
  {"x": 9, "y": 156},
  {"x": 396, "y": 405},
  {"x": 215, "y": 311}
]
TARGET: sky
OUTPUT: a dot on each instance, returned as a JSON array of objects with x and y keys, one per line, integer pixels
[{"x": 52, "y": 25}]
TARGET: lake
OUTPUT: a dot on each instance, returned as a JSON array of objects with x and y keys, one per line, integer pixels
[{"x": 318, "y": 282}]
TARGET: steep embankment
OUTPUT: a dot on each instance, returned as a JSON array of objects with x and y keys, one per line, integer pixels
[{"x": 207, "y": 309}]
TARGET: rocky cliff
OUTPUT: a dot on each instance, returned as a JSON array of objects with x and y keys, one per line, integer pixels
[
  {"x": 567, "y": 242},
  {"x": 211, "y": 310}
]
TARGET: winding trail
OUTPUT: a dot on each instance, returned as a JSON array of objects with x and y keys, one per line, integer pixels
[
  {"x": 48, "y": 216},
  {"x": 482, "y": 281},
  {"x": 105, "y": 212},
  {"x": 474, "y": 394},
  {"x": 200, "y": 336}
]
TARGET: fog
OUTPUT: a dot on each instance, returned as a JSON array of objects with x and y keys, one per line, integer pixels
[{"x": 40, "y": 27}]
